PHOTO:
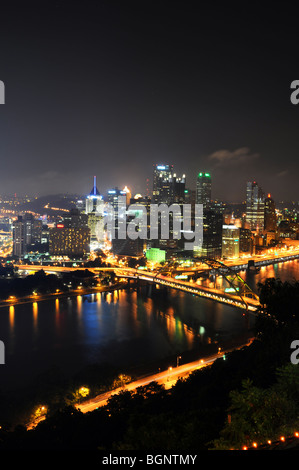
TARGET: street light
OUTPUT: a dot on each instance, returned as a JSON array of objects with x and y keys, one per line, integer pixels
[{"x": 177, "y": 360}]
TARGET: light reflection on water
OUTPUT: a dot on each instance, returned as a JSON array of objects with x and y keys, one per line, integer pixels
[
  {"x": 118, "y": 327},
  {"x": 288, "y": 271}
]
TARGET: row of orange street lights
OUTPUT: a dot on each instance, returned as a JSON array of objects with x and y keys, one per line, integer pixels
[{"x": 255, "y": 445}]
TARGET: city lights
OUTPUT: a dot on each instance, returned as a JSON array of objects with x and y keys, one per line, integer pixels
[{"x": 149, "y": 230}]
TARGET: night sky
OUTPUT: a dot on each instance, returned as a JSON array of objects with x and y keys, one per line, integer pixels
[{"x": 110, "y": 88}]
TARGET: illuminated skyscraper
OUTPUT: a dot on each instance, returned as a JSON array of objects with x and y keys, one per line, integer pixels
[
  {"x": 230, "y": 241},
  {"x": 69, "y": 241},
  {"x": 270, "y": 215},
  {"x": 94, "y": 208},
  {"x": 26, "y": 231},
  {"x": 204, "y": 190},
  {"x": 163, "y": 184},
  {"x": 128, "y": 194},
  {"x": 168, "y": 189},
  {"x": 94, "y": 201},
  {"x": 255, "y": 207},
  {"x": 113, "y": 195},
  {"x": 179, "y": 188},
  {"x": 18, "y": 237},
  {"x": 212, "y": 220}
]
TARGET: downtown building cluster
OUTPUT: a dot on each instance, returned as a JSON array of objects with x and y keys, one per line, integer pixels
[{"x": 226, "y": 235}]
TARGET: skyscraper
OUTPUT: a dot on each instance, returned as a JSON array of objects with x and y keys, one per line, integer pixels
[
  {"x": 94, "y": 208},
  {"x": 113, "y": 195},
  {"x": 94, "y": 201},
  {"x": 18, "y": 237},
  {"x": 230, "y": 241},
  {"x": 212, "y": 233},
  {"x": 26, "y": 232},
  {"x": 255, "y": 207},
  {"x": 270, "y": 215},
  {"x": 179, "y": 187},
  {"x": 69, "y": 241},
  {"x": 212, "y": 219},
  {"x": 204, "y": 190},
  {"x": 163, "y": 184},
  {"x": 168, "y": 189}
]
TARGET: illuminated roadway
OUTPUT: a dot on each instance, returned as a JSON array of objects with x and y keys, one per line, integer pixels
[
  {"x": 167, "y": 378},
  {"x": 249, "y": 303},
  {"x": 153, "y": 277}
]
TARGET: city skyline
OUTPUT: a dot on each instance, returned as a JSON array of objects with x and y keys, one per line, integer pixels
[
  {"x": 149, "y": 228},
  {"x": 109, "y": 89},
  {"x": 148, "y": 191}
]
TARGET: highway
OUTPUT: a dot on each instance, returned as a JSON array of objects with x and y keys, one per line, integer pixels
[
  {"x": 168, "y": 378},
  {"x": 279, "y": 256}
]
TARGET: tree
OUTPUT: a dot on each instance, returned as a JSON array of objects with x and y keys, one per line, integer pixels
[
  {"x": 280, "y": 299},
  {"x": 257, "y": 414}
]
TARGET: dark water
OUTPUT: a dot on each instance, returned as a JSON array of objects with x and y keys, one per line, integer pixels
[
  {"x": 122, "y": 328},
  {"x": 288, "y": 271}
]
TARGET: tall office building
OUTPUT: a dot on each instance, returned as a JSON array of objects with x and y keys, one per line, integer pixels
[
  {"x": 27, "y": 231},
  {"x": 246, "y": 241},
  {"x": 94, "y": 201},
  {"x": 70, "y": 237},
  {"x": 169, "y": 189},
  {"x": 94, "y": 208},
  {"x": 212, "y": 234},
  {"x": 163, "y": 184},
  {"x": 18, "y": 237},
  {"x": 179, "y": 188},
  {"x": 212, "y": 220},
  {"x": 113, "y": 195},
  {"x": 75, "y": 218},
  {"x": 204, "y": 190},
  {"x": 255, "y": 207},
  {"x": 230, "y": 241},
  {"x": 145, "y": 204},
  {"x": 270, "y": 215},
  {"x": 211, "y": 246},
  {"x": 127, "y": 191},
  {"x": 28, "y": 221}
]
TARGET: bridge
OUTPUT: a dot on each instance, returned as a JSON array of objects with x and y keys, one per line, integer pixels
[
  {"x": 232, "y": 289},
  {"x": 210, "y": 278}
]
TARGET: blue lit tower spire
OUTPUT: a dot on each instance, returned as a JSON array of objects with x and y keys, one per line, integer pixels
[
  {"x": 94, "y": 200},
  {"x": 94, "y": 191}
]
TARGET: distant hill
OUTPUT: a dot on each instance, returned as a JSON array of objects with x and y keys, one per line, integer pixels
[{"x": 54, "y": 204}]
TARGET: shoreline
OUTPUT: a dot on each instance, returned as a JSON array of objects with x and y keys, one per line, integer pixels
[{"x": 40, "y": 298}]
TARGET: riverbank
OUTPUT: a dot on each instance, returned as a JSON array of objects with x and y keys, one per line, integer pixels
[{"x": 39, "y": 298}]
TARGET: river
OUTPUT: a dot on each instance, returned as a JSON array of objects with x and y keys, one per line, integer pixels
[{"x": 122, "y": 328}]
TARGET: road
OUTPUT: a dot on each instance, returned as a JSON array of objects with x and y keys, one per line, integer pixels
[
  {"x": 270, "y": 256},
  {"x": 167, "y": 378}
]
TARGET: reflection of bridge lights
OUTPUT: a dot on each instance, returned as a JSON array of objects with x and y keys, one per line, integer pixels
[{"x": 11, "y": 315}]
